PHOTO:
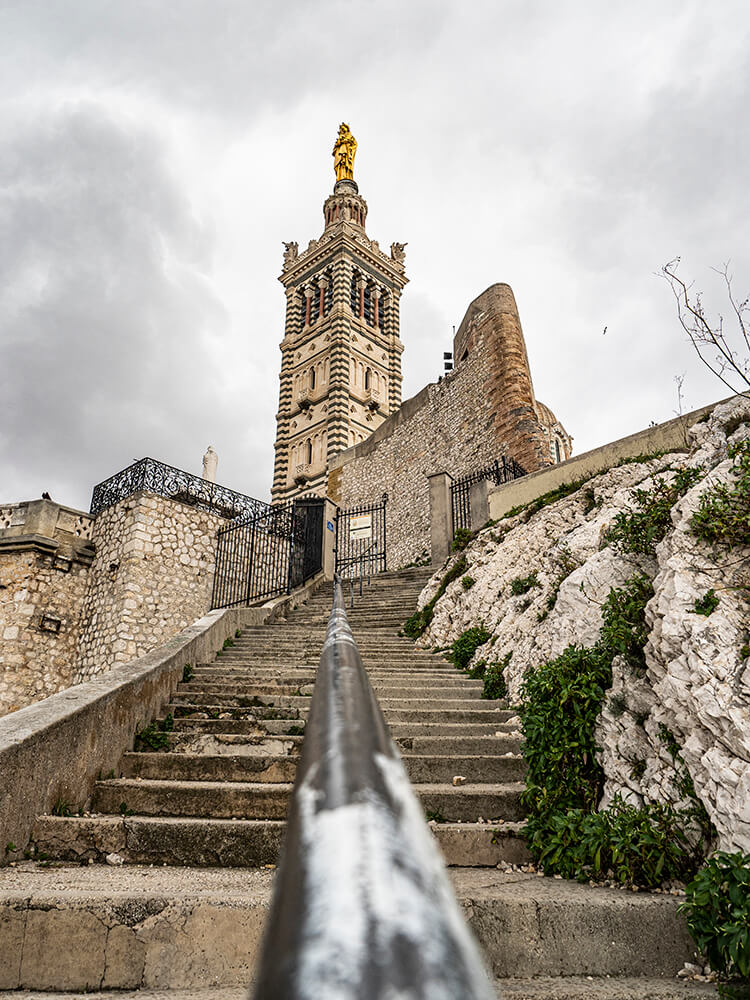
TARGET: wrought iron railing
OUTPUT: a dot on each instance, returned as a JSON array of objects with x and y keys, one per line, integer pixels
[
  {"x": 174, "y": 484},
  {"x": 362, "y": 907},
  {"x": 271, "y": 554},
  {"x": 502, "y": 470}
]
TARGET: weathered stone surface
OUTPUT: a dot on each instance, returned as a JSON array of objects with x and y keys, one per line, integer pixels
[{"x": 697, "y": 684}]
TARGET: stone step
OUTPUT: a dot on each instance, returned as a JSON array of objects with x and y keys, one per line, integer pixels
[
  {"x": 241, "y": 843},
  {"x": 184, "y": 928},
  {"x": 562, "y": 988},
  {"x": 289, "y": 682},
  {"x": 461, "y": 702},
  {"x": 278, "y": 768},
  {"x": 265, "y": 800},
  {"x": 394, "y": 715}
]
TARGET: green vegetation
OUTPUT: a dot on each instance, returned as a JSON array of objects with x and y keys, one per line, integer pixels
[
  {"x": 435, "y": 816},
  {"x": 466, "y": 645},
  {"x": 562, "y": 700},
  {"x": 523, "y": 584},
  {"x": 187, "y": 672},
  {"x": 494, "y": 678},
  {"x": 641, "y": 847},
  {"x": 238, "y": 633},
  {"x": 461, "y": 539},
  {"x": 723, "y": 514},
  {"x": 559, "y": 493},
  {"x": 707, "y": 604},
  {"x": 62, "y": 808},
  {"x": 227, "y": 643},
  {"x": 296, "y": 731},
  {"x": 467, "y": 582},
  {"x": 418, "y": 623},
  {"x": 154, "y": 738},
  {"x": 639, "y": 528},
  {"x": 717, "y": 909},
  {"x": 10, "y": 847}
]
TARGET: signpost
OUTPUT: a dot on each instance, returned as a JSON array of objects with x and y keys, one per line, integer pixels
[{"x": 360, "y": 527}]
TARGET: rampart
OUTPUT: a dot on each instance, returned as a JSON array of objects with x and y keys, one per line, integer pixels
[{"x": 480, "y": 411}]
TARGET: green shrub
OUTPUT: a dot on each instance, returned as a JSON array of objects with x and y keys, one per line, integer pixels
[
  {"x": 562, "y": 700},
  {"x": 639, "y": 528},
  {"x": 461, "y": 539},
  {"x": 187, "y": 672},
  {"x": 154, "y": 737},
  {"x": 419, "y": 622},
  {"x": 624, "y": 629},
  {"x": 523, "y": 584},
  {"x": 640, "y": 846},
  {"x": 494, "y": 679},
  {"x": 723, "y": 513},
  {"x": 707, "y": 604},
  {"x": 467, "y": 582},
  {"x": 717, "y": 909},
  {"x": 467, "y": 644}
]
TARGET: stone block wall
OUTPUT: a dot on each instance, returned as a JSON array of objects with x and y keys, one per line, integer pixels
[
  {"x": 447, "y": 426},
  {"x": 151, "y": 577},
  {"x": 484, "y": 409},
  {"x": 45, "y": 555}
]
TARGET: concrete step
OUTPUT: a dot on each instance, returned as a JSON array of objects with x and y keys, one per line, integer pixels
[
  {"x": 212, "y": 695},
  {"x": 280, "y": 768},
  {"x": 267, "y": 800},
  {"x": 563, "y": 988},
  {"x": 195, "y": 929}
]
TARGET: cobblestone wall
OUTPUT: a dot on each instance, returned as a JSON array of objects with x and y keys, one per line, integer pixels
[
  {"x": 151, "y": 577},
  {"x": 44, "y": 563},
  {"x": 446, "y": 427}
]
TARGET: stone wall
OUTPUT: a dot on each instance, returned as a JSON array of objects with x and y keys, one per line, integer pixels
[
  {"x": 151, "y": 577},
  {"x": 45, "y": 555},
  {"x": 447, "y": 426},
  {"x": 484, "y": 409}
]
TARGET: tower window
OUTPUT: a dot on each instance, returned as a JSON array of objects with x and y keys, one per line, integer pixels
[
  {"x": 368, "y": 379},
  {"x": 312, "y": 377},
  {"x": 309, "y": 452}
]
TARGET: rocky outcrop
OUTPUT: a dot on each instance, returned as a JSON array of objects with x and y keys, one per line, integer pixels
[{"x": 540, "y": 579}]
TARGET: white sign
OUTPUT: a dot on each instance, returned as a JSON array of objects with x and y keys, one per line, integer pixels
[{"x": 360, "y": 527}]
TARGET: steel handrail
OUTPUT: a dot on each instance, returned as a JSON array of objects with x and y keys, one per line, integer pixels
[{"x": 362, "y": 907}]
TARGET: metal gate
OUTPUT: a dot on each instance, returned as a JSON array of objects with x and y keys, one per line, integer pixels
[
  {"x": 270, "y": 554},
  {"x": 360, "y": 539},
  {"x": 501, "y": 471}
]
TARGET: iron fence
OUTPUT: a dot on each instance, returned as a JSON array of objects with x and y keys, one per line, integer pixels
[
  {"x": 174, "y": 484},
  {"x": 360, "y": 539},
  {"x": 502, "y": 470},
  {"x": 271, "y": 554},
  {"x": 362, "y": 906}
]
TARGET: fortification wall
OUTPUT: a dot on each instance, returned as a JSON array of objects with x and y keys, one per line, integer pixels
[
  {"x": 484, "y": 409},
  {"x": 447, "y": 426},
  {"x": 151, "y": 577},
  {"x": 45, "y": 555}
]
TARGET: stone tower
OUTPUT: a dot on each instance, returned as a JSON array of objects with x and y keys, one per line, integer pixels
[{"x": 341, "y": 352}]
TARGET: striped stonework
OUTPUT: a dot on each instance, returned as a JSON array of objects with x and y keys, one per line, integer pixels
[{"x": 341, "y": 352}]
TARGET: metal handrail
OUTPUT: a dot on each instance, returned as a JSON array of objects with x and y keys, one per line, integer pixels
[{"x": 362, "y": 906}]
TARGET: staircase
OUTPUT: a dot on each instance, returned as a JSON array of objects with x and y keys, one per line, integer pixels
[{"x": 165, "y": 883}]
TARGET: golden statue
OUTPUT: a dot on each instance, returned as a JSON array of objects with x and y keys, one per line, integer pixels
[{"x": 343, "y": 153}]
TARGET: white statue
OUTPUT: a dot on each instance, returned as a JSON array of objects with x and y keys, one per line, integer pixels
[{"x": 210, "y": 463}]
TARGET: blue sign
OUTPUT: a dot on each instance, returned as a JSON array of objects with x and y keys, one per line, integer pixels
[{"x": 329, "y": 525}]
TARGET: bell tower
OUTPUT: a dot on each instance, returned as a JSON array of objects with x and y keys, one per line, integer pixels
[{"x": 341, "y": 352}]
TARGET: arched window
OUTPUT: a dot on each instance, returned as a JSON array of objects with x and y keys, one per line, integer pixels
[
  {"x": 312, "y": 377},
  {"x": 367, "y": 378},
  {"x": 558, "y": 455},
  {"x": 309, "y": 452}
]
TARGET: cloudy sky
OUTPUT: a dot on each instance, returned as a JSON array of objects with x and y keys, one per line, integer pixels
[{"x": 155, "y": 153}]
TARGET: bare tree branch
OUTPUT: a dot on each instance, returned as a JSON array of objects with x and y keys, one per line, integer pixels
[{"x": 711, "y": 343}]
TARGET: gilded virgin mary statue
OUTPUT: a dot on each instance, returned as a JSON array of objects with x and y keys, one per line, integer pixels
[{"x": 343, "y": 153}]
